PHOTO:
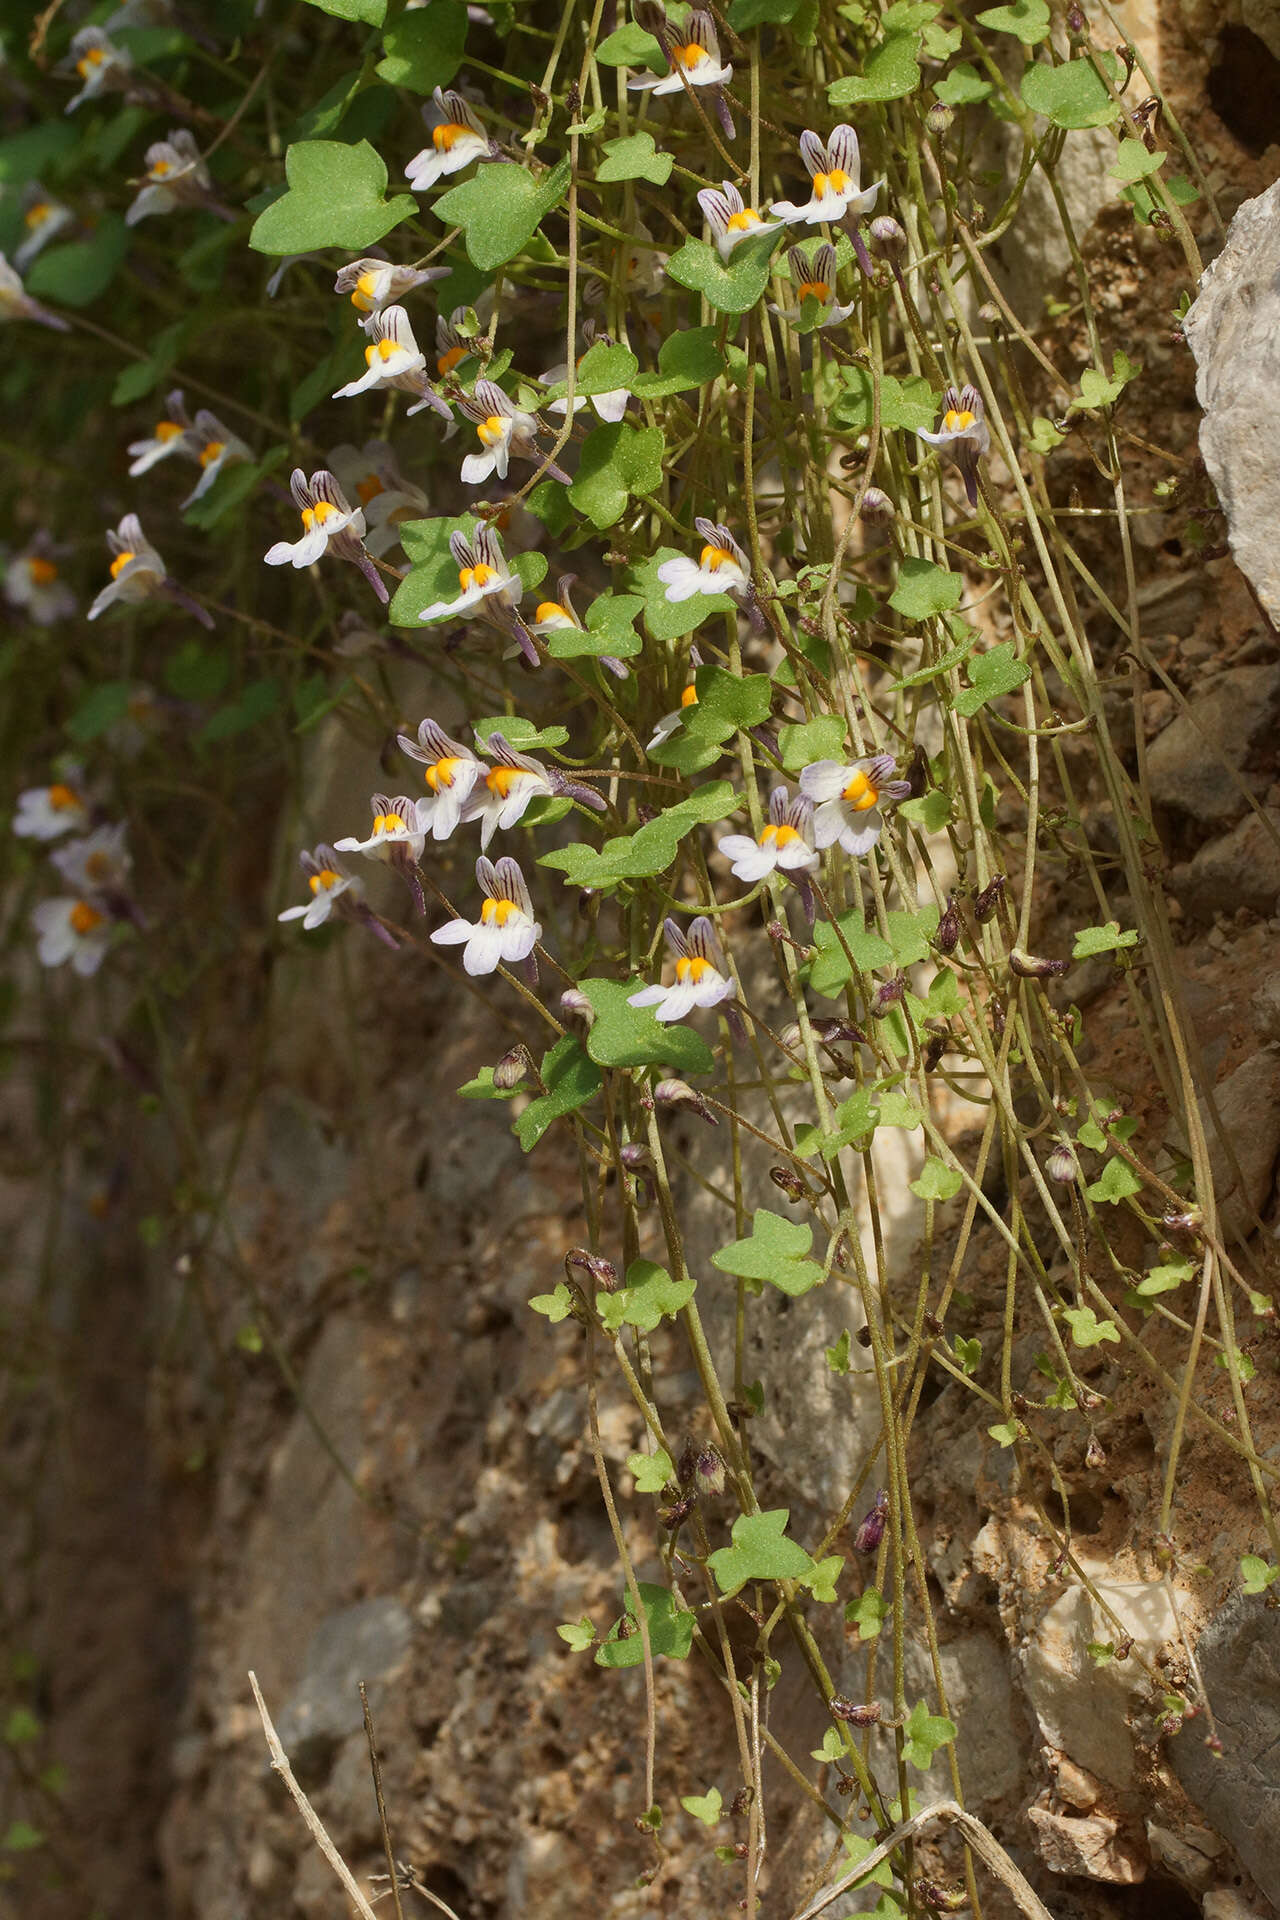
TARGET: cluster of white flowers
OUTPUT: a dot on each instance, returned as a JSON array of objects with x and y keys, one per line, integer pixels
[{"x": 76, "y": 926}]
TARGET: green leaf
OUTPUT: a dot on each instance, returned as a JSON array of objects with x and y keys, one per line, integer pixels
[
  {"x": 704, "y": 1806},
  {"x": 891, "y": 73},
  {"x": 822, "y": 1581},
  {"x": 196, "y": 672},
  {"x": 256, "y": 704},
  {"x": 1096, "y": 390},
  {"x": 937, "y": 1181},
  {"x": 482, "y": 1088},
  {"x": 670, "y": 1631},
  {"x": 931, "y": 811},
  {"x": 923, "y": 1734},
  {"x": 650, "y": 1295},
  {"x": 1133, "y": 162},
  {"x": 557, "y": 1306},
  {"x": 635, "y": 158},
  {"x": 610, "y": 629},
  {"x": 234, "y": 485},
  {"x": 1116, "y": 1182},
  {"x": 1105, "y": 939},
  {"x": 21, "y": 1727},
  {"x": 968, "y": 1353},
  {"x": 641, "y": 855},
  {"x": 1072, "y": 95},
  {"x": 631, "y": 46},
  {"x": 925, "y": 589},
  {"x": 651, "y": 1471},
  {"x": 625, "y": 1036},
  {"x": 833, "y": 1746},
  {"x": 602, "y": 369},
  {"x": 578, "y": 1635},
  {"x": 686, "y": 359},
  {"x": 617, "y": 461},
  {"x": 994, "y": 673},
  {"x": 27, "y": 155},
  {"x": 858, "y": 1846},
  {"x": 335, "y": 199},
  {"x": 734, "y": 286},
  {"x": 1165, "y": 1278},
  {"x": 1006, "y": 1432},
  {"x": 831, "y": 968},
  {"x": 1044, "y": 436},
  {"x": 100, "y": 709},
  {"x": 774, "y": 1252},
  {"x": 908, "y": 404},
  {"x": 1027, "y": 20},
  {"x": 940, "y": 42},
  {"x": 838, "y": 1356},
  {"x": 725, "y": 704},
  {"x": 424, "y": 50},
  {"x": 820, "y": 739},
  {"x": 760, "y": 1551},
  {"x": 571, "y": 1079},
  {"x": 1257, "y": 1574},
  {"x": 369, "y": 13},
  {"x": 21, "y": 1837},
  {"x": 964, "y": 86},
  {"x": 1086, "y": 1328},
  {"x": 77, "y": 274},
  {"x": 500, "y": 209},
  {"x": 518, "y": 732},
  {"x": 867, "y": 1613},
  {"x": 671, "y": 619}
]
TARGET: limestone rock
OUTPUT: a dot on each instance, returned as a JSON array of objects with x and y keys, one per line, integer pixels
[
  {"x": 366, "y": 1642},
  {"x": 1092, "y": 1847},
  {"x": 1083, "y": 1708},
  {"x": 1225, "y": 724},
  {"x": 1242, "y": 869},
  {"x": 1265, "y": 1008},
  {"x": 1248, "y": 1106},
  {"x": 1239, "y": 1789},
  {"x": 1233, "y": 329}
]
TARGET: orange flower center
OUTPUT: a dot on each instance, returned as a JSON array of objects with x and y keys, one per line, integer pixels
[
  {"x": 713, "y": 558},
  {"x": 440, "y": 773},
  {"x": 860, "y": 794},
  {"x": 381, "y": 350},
  {"x": 739, "y": 222},
  {"x": 387, "y": 823},
  {"x": 691, "y": 55},
  {"x": 478, "y": 576},
  {"x": 837, "y": 181},
  {"x": 957, "y": 420},
  {"x": 42, "y": 572},
  {"x": 689, "y": 698},
  {"x": 362, "y": 297},
  {"x": 327, "y": 879},
  {"x": 37, "y": 215},
  {"x": 444, "y": 139},
  {"x": 814, "y": 290},
  {"x": 499, "y": 911},
  {"x": 94, "y": 58},
  {"x": 692, "y": 967},
  {"x": 778, "y": 836},
  {"x": 500, "y": 780},
  {"x": 492, "y": 431},
  {"x": 316, "y": 516},
  {"x": 552, "y": 610},
  {"x": 84, "y": 918},
  {"x": 160, "y": 169},
  {"x": 448, "y": 361},
  {"x": 167, "y": 430},
  {"x": 120, "y": 562},
  {"x": 62, "y": 799},
  {"x": 214, "y": 451},
  {"x": 369, "y": 488}
]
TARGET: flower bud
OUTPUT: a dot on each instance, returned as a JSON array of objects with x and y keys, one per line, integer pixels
[
  {"x": 1029, "y": 966},
  {"x": 876, "y": 508},
  {"x": 947, "y": 938},
  {"x": 602, "y": 1271},
  {"x": 938, "y": 121},
  {"x": 678, "y": 1093},
  {"x": 887, "y": 995},
  {"x": 710, "y": 1471},
  {"x": 986, "y": 902},
  {"x": 852, "y": 1713},
  {"x": 575, "y": 1005},
  {"x": 1062, "y": 1164},
  {"x": 887, "y": 237},
  {"x": 1094, "y": 1457},
  {"x": 635, "y": 1154},
  {"x": 1077, "y": 25},
  {"x": 675, "y": 1515},
  {"x": 871, "y": 1530},
  {"x": 511, "y": 1069},
  {"x": 790, "y": 1183}
]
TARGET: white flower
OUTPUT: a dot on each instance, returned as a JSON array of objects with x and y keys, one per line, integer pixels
[
  {"x": 46, "y": 812},
  {"x": 31, "y": 582},
  {"x": 176, "y": 176},
  {"x": 784, "y": 842},
  {"x": 482, "y": 572},
  {"x": 500, "y": 799},
  {"x": 694, "y": 60},
  {"x": 99, "y": 863},
  {"x": 815, "y": 281},
  {"x": 71, "y": 929},
  {"x": 43, "y": 217},
  {"x": 730, "y": 218},
  {"x": 700, "y": 977},
  {"x": 610, "y": 406},
  {"x": 506, "y": 929},
  {"x": 392, "y": 358},
  {"x": 218, "y": 447},
  {"x": 451, "y": 771},
  {"x": 375, "y": 284},
  {"x": 846, "y": 800},
  {"x": 176, "y": 433},
  {"x": 137, "y": 570},
  {"x": 327, "y": 881},
  {"x": 457, "y": 138},
  {"x": 17, "y": 305},
  {"x": 102, "y": 66},
  {"x": 396, "y": 835},
  {"x": 722, "y": 566},
  {"x": 327, "y": 519},
  {"x": 672, "y": 722},
  {"x": 963, "y": 436},
  {"x": 503, "y": 430},
  {"x": 836, "y": 172}
]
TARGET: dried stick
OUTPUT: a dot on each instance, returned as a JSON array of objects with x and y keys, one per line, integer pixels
[
  {"x": 987, "y": 1848},
  {"x": 280, "y": 1761}
]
